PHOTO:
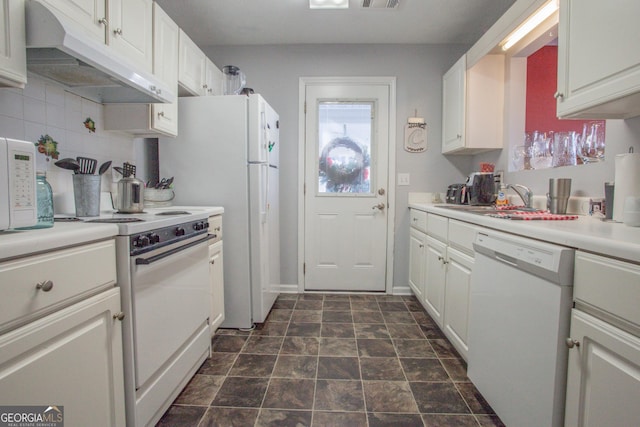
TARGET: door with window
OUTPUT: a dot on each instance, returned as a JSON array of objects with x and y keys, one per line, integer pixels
[{"x": 346, "y": 178}]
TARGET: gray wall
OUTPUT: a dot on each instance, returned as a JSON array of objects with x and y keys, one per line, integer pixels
[{"x": 274, "y": 72}]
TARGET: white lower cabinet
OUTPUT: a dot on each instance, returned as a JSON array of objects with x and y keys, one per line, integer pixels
[
  {"x": 603, "y": 382},
  {"x": 435, "y": 279},
  {"x": 457, "y": 292},
  {"x": 417, "y": 252},
  {"x": 71, "y": 359},
  {"x": 216, "y": 274},
  {"x": 440, "y": 268}
]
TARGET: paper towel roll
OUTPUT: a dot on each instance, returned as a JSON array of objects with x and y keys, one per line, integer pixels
[{"x": 627, "y": 182}]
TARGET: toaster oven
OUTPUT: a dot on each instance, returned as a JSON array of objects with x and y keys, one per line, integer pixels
[{"x": 457, "y": 194}]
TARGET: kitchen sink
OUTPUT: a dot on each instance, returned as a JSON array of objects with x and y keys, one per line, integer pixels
[{"x": 488, "y": 210}]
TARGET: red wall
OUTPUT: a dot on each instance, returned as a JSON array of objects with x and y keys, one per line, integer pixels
[{"x": 542, "y": 75}]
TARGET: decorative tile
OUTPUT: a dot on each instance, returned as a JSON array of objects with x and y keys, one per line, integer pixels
[
  {"x": 404, "y": 331},
  {"x": 381, "y": 368},
  {"x": 275, "y": 418},
  {"x": 285, "y": 393},
  {"x": 438, "y": 398},
  {"x": 438, "y": 420},
  {"x": 339, "y": 395},
  {"x": 228, "y": 343},
  {"x": 303, "y": 329},
  {"x": 443, "y": 348},
  {"x": 309, "y": 305},
  {"x": 338, "y": 347},
  {"x": 337, "y": 305},
  {"x": 273, "y": 329},
  {"x": 253, "y": 365},
  {"x": 263, "y": 345},
  {"x": 228, "y": 417},
  {"x": 307, "y": 316},
  {"x": 367, "y": 317},
  {"x": 334, "y": 419},
  {"x": 218, "y": 364},
  {"x": 398, "y": 317},
  {"x": 456, "y": 368},
  {"x": 200, "y": 390},
  {"x": 424, "y": 369},
  {"x": 337, "y": 316},
  {"x": 375, "y": 348},
  {"x": 393, "y": 420},
  {"x": 338, "y": 368},
  {"x": 241, "y": 392},
  {"x": 296, "y": 366},
  {"x": 474, "y": 399},
  {"x": 375, "y": 330},
  {"x": 183, "y": 416},
  {"x": 300, "y": 345},
  {"x": 413, "y": 348},
  {"x": 389, "y": 396},
  {"x": 337, "y": 330}
]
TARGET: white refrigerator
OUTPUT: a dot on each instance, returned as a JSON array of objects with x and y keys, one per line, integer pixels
[{"x": 226, "y": 154}]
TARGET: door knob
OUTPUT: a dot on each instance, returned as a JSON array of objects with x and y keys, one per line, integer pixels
[
  {"x": 381, "y": 191},
  {"x": 379, "y": 206}
]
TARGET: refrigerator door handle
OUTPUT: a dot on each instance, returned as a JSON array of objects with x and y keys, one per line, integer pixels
[{"x": 265, "y": 194}]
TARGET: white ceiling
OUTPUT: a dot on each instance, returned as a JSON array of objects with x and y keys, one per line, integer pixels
[{"x": 256, "y": 22}]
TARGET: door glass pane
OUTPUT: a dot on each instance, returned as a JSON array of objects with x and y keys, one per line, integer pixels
[{"x": 344, "y": 147}]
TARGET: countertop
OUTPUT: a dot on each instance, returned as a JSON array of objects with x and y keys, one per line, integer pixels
[
  {"x": 17, "y": 243},
  {"x": 585, "y": 233}
]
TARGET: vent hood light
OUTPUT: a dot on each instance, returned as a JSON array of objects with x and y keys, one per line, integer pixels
[
  {"x": 531, "y": 23},
  {"x": 328, "y": 4},
  {"x": 57, "y": 50}
]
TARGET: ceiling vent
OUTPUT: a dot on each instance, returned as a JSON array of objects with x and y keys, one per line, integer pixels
[{"x": 380, "y": 4}]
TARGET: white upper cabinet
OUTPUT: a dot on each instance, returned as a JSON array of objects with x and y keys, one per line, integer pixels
[
  {"x": 13, "y": 59},
  {"x": 213, "y": 79},
  {"x": 473, "y": 106},
  {"x": 191, "y": 67},
  {"x": 91, "y": 15},
  {"x": 131, "y": 30},
  {"x": 598, "y": 59}
]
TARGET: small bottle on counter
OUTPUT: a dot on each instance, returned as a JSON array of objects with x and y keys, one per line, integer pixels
[
  {"x": 501, "y": 199},
  {"x": 44, "y": 196}
]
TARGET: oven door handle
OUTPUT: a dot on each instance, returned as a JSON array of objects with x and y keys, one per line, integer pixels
[{"x": 151, "y": 260}]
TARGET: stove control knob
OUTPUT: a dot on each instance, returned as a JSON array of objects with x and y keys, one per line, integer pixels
[
  {"x": 141, "y": 241},
  {"x": 198, "y": 226},
  {"x": 154, "y": 238},
  {"x": 179, "y": 231}
]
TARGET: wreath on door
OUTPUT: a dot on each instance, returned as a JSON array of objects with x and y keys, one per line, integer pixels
[{"x": 343, "y": 163}]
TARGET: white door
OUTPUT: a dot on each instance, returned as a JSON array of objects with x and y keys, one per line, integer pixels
[{"x": 346, "y": 177}]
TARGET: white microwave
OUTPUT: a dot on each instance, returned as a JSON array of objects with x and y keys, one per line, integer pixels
[{"x": 18, "y": 200}]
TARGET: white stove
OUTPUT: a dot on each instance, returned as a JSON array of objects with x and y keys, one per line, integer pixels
[{"x": 163, "y": 274}]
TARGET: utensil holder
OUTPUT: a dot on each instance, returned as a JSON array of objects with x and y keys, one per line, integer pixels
[{"x": 86, "y": 194}]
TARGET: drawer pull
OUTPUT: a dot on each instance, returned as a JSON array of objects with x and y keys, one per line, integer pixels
[
  {"x": 572, "y": 343},
  {"x": 45, "y": 286},
  {"x": 118, "y": 316}
]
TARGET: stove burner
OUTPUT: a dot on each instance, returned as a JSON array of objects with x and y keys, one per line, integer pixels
[
  {"x": 116, "y": 220},
  {"x": 174, "y": 213}
]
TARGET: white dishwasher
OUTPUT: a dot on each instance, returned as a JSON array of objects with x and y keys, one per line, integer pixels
[{"x": 520, "y": 307}]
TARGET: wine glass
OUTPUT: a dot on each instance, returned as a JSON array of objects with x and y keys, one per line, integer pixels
[{"x": 541, "y": 152}]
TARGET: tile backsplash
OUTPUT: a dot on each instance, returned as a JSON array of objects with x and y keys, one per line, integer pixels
[{"x": 46, "y": 108}]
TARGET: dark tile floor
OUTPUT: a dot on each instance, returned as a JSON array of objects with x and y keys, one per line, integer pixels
[{"x": 333, "y": 360}]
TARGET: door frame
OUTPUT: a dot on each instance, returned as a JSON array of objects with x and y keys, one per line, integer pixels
[{"x": 390, "y": 82}]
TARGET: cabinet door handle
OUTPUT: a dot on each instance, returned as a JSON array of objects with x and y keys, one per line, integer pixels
[
  {"x": 459, "y": 136},
  {"x": 117, "y": 31},
  {"x": 572, "y": 343},
  {"x": 103, "y": 21},
  {"x": 45, "y": 286},
  {"x": 118, "y": 316},
  {"x": 161, "y": 114},
  {"x": 421, "y": 246},
  {"x": 558, "y": 95}
]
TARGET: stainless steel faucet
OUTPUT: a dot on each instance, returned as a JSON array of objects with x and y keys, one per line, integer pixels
[{"x": 524, "y": 192}]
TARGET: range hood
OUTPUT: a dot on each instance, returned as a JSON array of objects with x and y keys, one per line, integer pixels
[{"x": 58, "y": 50}]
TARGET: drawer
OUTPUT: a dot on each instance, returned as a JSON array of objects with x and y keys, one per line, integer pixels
[
  {"x": 73, "y": 272},
  {"x": 215, "y": 227},
  {"x": 462, "y": 235},
  {"x": 609, "y": 284},
  {"x": 437, "y": 227},
  {"x": 418, "y": 219}
]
